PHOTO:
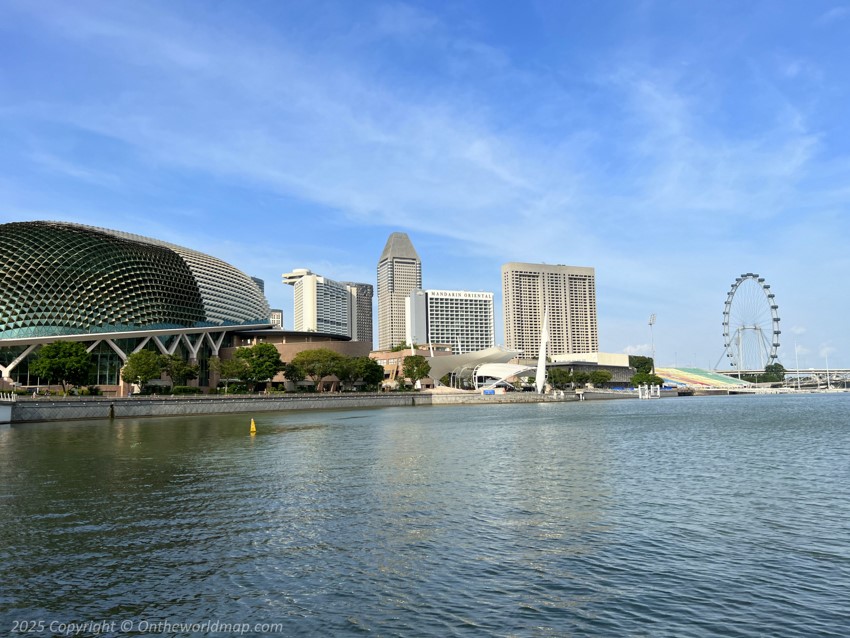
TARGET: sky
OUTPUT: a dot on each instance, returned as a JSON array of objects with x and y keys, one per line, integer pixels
[{"x": 670, "y": 145}]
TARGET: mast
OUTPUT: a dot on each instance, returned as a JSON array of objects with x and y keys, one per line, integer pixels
[{"x": 540, "y": 379}]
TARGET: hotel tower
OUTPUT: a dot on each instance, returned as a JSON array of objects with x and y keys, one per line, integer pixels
[{"x": 569, "y": 292}]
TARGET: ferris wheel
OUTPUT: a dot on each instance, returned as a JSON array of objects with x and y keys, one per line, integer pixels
[{"x": 750, "y": 324}]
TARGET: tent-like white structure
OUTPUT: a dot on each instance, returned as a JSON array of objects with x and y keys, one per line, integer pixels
[
  {"x": 462, "y": 365},
  {"x": 498, "y": 373}
]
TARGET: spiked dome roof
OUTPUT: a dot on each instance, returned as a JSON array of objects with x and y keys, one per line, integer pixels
[{"x": 59, "y": 278}]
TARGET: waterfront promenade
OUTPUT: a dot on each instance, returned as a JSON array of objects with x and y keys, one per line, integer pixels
[{"x": 28, "y": 410}]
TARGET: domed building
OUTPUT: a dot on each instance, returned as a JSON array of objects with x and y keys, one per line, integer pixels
[{"x": 117, "y": 293}]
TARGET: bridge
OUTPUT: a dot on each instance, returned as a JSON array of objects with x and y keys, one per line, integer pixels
[
  {"x": 809, "y": 377},
  {"x": 794, "y": 373}
]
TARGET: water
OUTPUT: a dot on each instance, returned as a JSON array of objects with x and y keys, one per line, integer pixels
[{"x": 721, "y": 516}]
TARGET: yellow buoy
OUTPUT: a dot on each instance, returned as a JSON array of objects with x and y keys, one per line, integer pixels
[{"x": 253, "y": 427}]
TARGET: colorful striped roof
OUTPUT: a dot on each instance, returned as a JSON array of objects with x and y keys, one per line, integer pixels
[{"x": 696, "y": 377}]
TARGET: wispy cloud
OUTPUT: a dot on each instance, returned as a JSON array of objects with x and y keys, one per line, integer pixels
[
  {"x": 74, "y": 169},
  {"x": 666, "y": 174},
  {"x": 835, "y": 14}
]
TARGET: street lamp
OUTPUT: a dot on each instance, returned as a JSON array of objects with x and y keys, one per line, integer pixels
[
  {"x": 797, "y": 361},
  {"x": 826, "y": 356}
]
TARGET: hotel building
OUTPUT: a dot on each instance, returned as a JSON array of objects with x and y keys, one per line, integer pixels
[
  {"x": 569, "y": 292},
  {"x": 330, "y": 307},
  {"x": 459, "y": 318}
]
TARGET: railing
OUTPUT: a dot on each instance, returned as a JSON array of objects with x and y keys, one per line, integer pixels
[{"x": 8, "y": 397}]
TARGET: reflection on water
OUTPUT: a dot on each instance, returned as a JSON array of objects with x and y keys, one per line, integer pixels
[{"x": 720, "y": 516}]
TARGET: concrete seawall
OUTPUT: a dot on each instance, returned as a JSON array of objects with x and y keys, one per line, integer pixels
[{"x": 35, "y": 410}]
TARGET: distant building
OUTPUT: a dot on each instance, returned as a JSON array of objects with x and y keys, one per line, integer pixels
[
  {"x": 361, "y": 308},
  {"x": 330, "y": 307},
  {"x": 462, "y": 319},
  {"x": 276, "y": 318},
  {"x": 399, "y": 274},
  {"x": 569, "y": 292}
]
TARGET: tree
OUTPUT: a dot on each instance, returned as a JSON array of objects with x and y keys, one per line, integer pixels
[
  {"x": 353, "y": 369},
  {"x": 402, "y": 346},
  {"x": 641, "y": 364},
  {"x": 415, "y": 367},
  {"x": 228, "y": 369},
  {"x": 141, "y": 367},
  {"x": 347, "y": 372},
  {"x": 645, "y": 378},
  {"x": 178, "y": 370},
  {"x": 293, "y": 372},
  {"x": 560, "y": 378},
  {"x": 774, "y": 372},
  {"x": 600, "y": 377},
  {"x": 581, "y": 378},
  {"x": 318, "y": 364},
  {"x": 370, "y": 372},
  {"x": 65, "y": 362},
  {"x": 263, "y": 362}
]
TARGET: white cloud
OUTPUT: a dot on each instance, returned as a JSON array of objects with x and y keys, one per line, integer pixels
[
  {"x": 826, "y": 350},
  {"x": 640, "y": 349}
]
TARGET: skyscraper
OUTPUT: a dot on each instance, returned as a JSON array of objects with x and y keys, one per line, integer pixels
[
  {"x": 569, "y": 292},
  {"x": 459, "y": 318},
  {"x": 361, "y": 309},
  {"x": 399, "y": 273},
  {"x": 324, "y": 305}
]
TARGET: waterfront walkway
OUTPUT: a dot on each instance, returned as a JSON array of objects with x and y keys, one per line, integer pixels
[{"x": 28, "y": 410}]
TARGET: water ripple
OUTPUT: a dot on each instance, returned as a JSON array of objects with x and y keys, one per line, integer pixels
[{"x": 697, "y": 517}]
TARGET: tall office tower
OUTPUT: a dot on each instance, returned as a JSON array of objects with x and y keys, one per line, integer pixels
[
  {"x": 459, "y": 318},
  {"x": 399, "y": 273},
  {"x": 260, "y": 284},
  {"x": 569, "y": 292},
  {"x": 361, "y": 309}
]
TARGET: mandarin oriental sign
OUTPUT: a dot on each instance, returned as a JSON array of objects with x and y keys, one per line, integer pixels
[{"x": 459, "y": 294}]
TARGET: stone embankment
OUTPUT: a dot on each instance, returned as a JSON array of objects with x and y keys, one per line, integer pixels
[{"x": 75, "y": 408}]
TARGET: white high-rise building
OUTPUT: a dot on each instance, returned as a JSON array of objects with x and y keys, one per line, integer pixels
[
  {"x": 324, "y": 305},
  {"x": 399, "y": 274},
  {"x": 459, "y": 318},
  {"x": 569, "y": 292}
]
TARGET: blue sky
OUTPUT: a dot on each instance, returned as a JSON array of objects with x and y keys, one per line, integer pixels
[{"x": 670, "y": 145}]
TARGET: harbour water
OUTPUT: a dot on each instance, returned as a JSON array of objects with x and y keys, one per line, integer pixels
[{"x": 720, "y": 516}]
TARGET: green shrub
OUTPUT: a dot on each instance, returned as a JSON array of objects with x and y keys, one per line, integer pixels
[
  {"x": 185, "y": 389},
  {"x": 156, "y": 389}
]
